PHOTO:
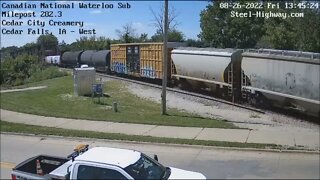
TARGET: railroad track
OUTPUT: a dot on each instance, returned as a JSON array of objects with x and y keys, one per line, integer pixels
[{"x": 184, "y": 92}]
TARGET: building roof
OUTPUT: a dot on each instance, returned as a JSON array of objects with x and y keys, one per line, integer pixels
[{"x": 113, "y": 156}]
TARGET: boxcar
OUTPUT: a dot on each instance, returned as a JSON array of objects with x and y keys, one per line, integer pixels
[{"x": 141, "y": 59}]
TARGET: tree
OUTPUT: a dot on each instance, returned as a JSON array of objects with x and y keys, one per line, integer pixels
[
  {"x": 294, "y": 33},
  {"x": 143, "y": 37},
  {"x": 30, "y": 49},
  {"x": 14, "y": 71},
  {"x": 158, "y": 21},
  {"x": 308, "y": 38},
  {"x": 10, "y": 51},
  {"x": 280, "y": 34},
  {"x": 63, "y": 47},
  {"x": 195, "y": 43},
  {"x": 88, "y": 43},
  {"x": 174, "y": 35},
  {"x": 127, "y": 34},
  {"x": 220, "y": 29},
  {"x": 48, "y": 45}
]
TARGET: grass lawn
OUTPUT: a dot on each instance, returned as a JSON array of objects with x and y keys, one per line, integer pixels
[
  {"x": 58, "y": 101},
  {"x": 30, "y": 129}
]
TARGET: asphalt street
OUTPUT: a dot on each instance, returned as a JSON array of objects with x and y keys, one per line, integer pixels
[{"x": 212, "y": 162}]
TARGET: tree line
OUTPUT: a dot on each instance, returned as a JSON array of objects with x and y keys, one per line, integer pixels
[{"x": 219, "y": 29}]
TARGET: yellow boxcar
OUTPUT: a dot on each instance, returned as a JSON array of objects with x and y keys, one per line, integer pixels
[
  {"x": 118, "y": 59},
  {"x": 141, "y": 59}
]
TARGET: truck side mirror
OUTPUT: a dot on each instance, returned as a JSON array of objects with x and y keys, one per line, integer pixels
[{"x": 155, "y": 157}]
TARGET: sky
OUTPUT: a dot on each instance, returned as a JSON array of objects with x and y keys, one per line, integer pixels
[{"x": 104, "y": 21}]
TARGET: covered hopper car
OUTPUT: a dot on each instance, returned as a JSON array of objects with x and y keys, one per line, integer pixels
[
  {"x": 216, "y": 69},
  {"x": 287, "y": 79},
  {"x": 264, "y": 77}
]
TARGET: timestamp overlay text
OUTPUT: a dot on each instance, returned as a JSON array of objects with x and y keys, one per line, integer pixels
[{"x": 272, "y": 9}]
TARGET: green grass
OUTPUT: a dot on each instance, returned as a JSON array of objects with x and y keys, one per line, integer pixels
[
  {"x": 31, "y": 129},
  {"x": 58, "y": 101}
]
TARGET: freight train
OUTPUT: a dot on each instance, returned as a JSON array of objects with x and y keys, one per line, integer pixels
[{"x": 262, "y": 77}]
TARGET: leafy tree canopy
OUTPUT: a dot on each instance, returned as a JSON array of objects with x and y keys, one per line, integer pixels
[{"x": 220, "y": 29}]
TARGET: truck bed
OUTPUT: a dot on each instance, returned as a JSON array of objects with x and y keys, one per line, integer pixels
[{"x": 47, "y": 163}]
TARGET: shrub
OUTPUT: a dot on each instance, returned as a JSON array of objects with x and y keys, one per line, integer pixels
[
  {"x": 47, "y": 73},
  {"x": 24, "y": 69}
]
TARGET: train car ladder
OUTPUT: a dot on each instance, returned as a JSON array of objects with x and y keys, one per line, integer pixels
[
  {"x": 243, "y": 83},
  {"x": 230, "y": 80}
]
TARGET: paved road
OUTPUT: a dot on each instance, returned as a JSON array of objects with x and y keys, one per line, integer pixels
[{"x": 214, "y": 163}]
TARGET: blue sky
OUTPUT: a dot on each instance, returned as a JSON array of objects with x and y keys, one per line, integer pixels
[{"x": 106, "y": 21}]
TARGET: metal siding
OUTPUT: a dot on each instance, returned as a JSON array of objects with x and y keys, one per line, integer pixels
[
  {"x": 71, "y": 58},
  {"x": 200, "y": 66},
  {"x": 84, "y": 78},
  {"x": 285, "y": 82},
  {"x": 86, "y": 57},
  {"x": 118, "y": 59},
  {"x": 292, "y": 78},
  {"x": 101, "y": 59},
  {"x": 151, "y": 60}
]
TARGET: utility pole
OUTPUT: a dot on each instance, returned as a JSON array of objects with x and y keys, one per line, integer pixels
[{"x": 165, "y": 60}]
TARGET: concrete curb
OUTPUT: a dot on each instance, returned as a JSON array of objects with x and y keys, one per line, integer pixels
[{"x": 171, "y": 144}]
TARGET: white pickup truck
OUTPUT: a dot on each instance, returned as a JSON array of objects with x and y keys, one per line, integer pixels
[{"x": 99, "y": 163}]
